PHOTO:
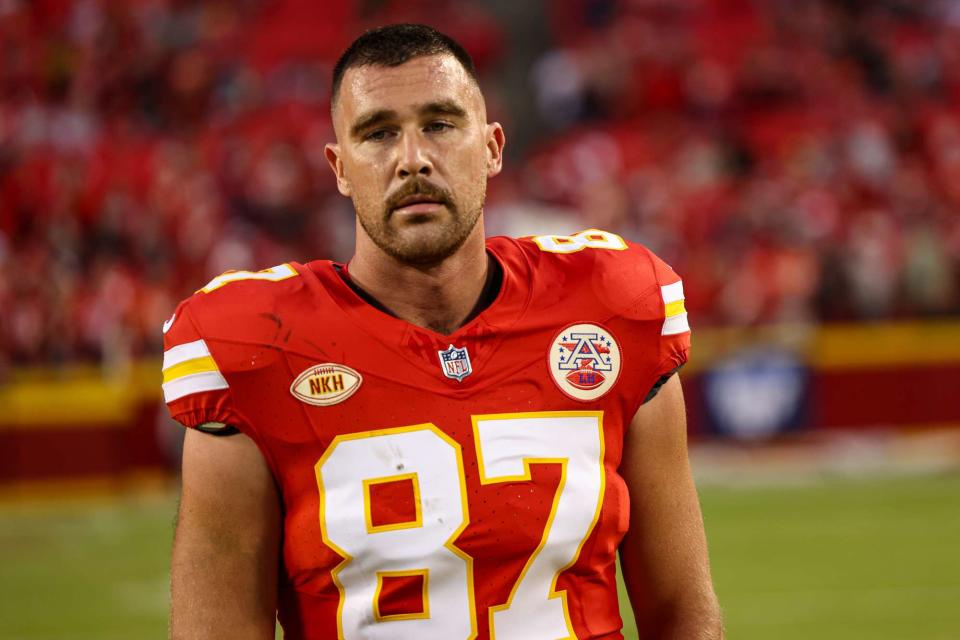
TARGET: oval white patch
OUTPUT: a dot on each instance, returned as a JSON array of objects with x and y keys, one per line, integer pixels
[
  {"x": 326, "y": 384},
  {"x": 584, "y": 361}
]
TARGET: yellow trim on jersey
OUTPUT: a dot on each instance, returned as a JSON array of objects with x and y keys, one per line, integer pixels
[
  {"x": 675, "y": 312},
  {"x": 674, "y": 308},
  {"x": 273, "y": 274},
  {"x": 189, "y": 367},
  {"x": 587, "y": 239}
]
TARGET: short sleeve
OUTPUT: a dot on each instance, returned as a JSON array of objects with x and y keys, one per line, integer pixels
[
  {"x": 194, "y": 387},
  {"x": 675, "y": 332},
  {"x": 670, "y": 331}
]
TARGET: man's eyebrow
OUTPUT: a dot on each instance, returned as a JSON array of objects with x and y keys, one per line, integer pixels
[
  {"x": 370, "y": 119},
  {"x": 442, "y": 107}
]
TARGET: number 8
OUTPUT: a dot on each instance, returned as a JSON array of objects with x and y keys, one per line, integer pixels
[
  {"x": 589, "y": 239},
  {"x": 437, "y": 461}
]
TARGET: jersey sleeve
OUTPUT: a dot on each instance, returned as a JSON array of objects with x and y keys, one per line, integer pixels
[
  {"x": 657, "y": 316},
  {"x": 674, "y": 343},
  {"x": 194, "y": 387}
]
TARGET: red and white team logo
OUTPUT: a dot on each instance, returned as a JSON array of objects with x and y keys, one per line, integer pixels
[{"x": 584, "y": 361}]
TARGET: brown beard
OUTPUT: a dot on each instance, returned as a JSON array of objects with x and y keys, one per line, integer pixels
[{"x": 433, "y": 245}]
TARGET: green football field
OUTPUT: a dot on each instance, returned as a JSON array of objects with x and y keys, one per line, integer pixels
[{"x": 838, "y": 559}]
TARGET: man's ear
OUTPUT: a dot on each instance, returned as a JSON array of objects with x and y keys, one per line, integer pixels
[
  {"x": 496, "y": 139},
  {"x": 332, "y": 153}
]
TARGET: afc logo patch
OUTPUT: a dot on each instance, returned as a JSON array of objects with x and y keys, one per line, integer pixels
[
  {"x": 455, "y": 362},
  {"x": 584, "y": 361}
]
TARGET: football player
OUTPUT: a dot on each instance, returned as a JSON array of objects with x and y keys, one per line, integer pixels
[{"x": 449, "y": 436}]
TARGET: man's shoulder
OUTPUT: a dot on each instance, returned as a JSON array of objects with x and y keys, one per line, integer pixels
[
  {"x": 593, "y": 261},
  {"x": 593, "y": 247},
  {"x": 238, "y": 303}
]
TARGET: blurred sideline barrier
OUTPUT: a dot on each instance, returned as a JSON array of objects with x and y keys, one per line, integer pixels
[
  {"x": 753, "y": 383},
  {"x": 79, "y": 428}
]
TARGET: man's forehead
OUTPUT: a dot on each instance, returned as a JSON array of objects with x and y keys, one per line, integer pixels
[{"x": 419, "y": 80}]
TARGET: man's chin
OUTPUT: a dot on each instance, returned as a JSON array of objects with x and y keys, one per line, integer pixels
[
  {"x": 421, "y": 238},
  {"x": 425, "y": 242},
  {"x": 423, "y": 248}
]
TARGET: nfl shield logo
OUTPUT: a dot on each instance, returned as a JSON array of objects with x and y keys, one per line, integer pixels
[{"x": 455, "y": 363}]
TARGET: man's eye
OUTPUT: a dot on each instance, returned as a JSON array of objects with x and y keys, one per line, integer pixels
[
  {"x": 435, "y": 127},
  {"x": 378, "y": 136}
]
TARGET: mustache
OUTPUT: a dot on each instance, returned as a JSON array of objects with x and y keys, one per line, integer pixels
[{"x": 418, "y": 187}]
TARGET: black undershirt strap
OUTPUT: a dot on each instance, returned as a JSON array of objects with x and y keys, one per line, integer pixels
[
  {"x": 366, "y": 297},
  {"x": 659, "y": 383},
  {"x": 489, "y": 293},
  {"x": 214, "y": 430}
]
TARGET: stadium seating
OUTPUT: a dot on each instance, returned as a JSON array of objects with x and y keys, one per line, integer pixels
[{"x": 796, "y": 162}]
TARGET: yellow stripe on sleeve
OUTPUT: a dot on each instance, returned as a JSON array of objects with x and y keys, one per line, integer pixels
[
  {"x": 675, "y": 308},
  {"x": 188, "y": 367}
]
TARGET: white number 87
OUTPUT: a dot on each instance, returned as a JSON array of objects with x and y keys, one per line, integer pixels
[{"x": 506, "y": 446}]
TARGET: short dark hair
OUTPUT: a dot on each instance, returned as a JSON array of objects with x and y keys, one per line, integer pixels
[{"x": 394, "y": 44}]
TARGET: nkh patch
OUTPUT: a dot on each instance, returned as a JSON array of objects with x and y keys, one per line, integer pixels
[
  {"x": 455, "y": 362},
  {"x": 584, "y": 361},
  {"x": 326, "y": 384}
]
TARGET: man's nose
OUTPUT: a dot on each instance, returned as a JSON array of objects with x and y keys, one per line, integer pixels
[{"x": 414, "y": 159}]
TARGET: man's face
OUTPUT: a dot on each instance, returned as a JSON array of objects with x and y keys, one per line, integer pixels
[{"x": 414, "y": 152}]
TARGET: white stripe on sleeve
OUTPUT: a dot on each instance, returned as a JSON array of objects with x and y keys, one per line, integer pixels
[
  {"x": 183, "y": 352},
  {"x": 672, "y": 292},
  {"x": 194, "y": 383},
  {"x": 675, "y": 324}
]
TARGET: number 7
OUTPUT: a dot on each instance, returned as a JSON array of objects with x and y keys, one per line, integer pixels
[{"x": 506, "y": 447}]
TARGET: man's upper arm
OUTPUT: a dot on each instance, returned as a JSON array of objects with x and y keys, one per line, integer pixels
[
  {"x": 664, "y": 554},
  {"x": 226, "y": 548}
]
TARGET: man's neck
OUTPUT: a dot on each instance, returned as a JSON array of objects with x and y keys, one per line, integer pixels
[{"x": 438, "y": 297}]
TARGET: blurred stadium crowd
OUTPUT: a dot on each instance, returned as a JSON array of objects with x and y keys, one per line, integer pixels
[{"x": 794, "y": 160}]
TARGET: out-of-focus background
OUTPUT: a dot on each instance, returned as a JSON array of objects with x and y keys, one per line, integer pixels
[{"x": 796, "y": 161}]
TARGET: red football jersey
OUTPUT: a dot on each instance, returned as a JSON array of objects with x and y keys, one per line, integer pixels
[{"x": 440, "y": 486}]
